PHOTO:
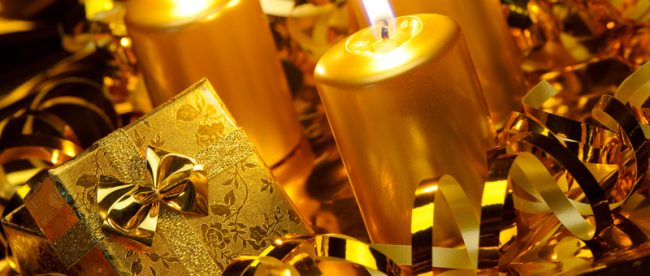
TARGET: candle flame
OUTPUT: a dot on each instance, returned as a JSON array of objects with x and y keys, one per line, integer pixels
[{"x": 380, "y": 12}]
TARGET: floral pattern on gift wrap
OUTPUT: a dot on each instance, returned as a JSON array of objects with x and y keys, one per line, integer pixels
[
  {"x": 210, "y": 129},
  {"x": 213, "y": 235},
  {"x": 218, "y": 235},
  {"x": 89, "y": 189},
  {"x": 141, "y": 266},
  {"x": 141, "y": 140},
  {"x": 138, "y": 265}
]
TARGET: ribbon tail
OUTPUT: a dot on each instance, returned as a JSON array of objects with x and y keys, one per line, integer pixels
[{"x": 123, "y": 214}]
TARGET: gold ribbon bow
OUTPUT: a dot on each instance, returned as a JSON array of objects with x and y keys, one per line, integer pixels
[{"x": 131, "y": 209}]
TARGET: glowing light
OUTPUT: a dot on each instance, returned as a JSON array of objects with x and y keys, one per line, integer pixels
[
  {"x": 534, "y": 8},
  {"x": 381, "y": 18},
  {"x": 378, "y": 11},
  {"x": 191, "y": 7},
  {"x": 55, "y": 157},
  {"x": 125, "y": 42},
  {"x": 69, "y": 150},
  {"x": 610, "y": 25},
  {"x": 287, "y": 272}
]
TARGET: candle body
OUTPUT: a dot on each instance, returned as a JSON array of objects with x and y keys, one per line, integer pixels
[
  {"x": 405, "y": 115},
  {"x": 229, "y": 42},
  {"x": 496, "y": 57}
]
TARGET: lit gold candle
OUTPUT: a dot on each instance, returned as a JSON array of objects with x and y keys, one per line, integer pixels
[
  {"x": 177, "y": 42},
  {"x": 496, "y": 57},
  {"x": 404, "y": 108}
]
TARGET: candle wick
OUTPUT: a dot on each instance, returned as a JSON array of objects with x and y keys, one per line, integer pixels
[{"x": 384, "y": 30}]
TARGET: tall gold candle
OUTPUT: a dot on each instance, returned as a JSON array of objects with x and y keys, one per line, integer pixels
[
  {"x": 404, "y": 109},
  {"x": 494, "y": 52},
  {"x": 177, "y": 42}
]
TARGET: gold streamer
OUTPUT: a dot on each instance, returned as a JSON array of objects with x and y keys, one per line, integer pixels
[
  {"x": 448, "y": 192},
  {"x": 543, "y": 160},
  {"x": 42, "y": 132},
  {"x": 302, "y": 254},
  {"x": 48, "y": 137}
]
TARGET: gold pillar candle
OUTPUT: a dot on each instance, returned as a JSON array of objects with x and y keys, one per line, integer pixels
[
  {"x": 496, "y": 57},
  {"x": 404, "y": 109},
  {"x": 177, "y": 42}
]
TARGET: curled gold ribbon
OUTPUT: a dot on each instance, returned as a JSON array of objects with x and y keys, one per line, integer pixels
[
  {"x": 428, "y": 247},
  {"x": 579, "y": 174},
  {"x": 301, "y": 254},
  {"x": 45, "y": 132},
  {"x": 636, "y": 88},
  {"x": 131, "y": 209},
  {"x": 40, "y": 126},
  {"x": 621, "y": 143},
  {"x": 541, "y": 184}
]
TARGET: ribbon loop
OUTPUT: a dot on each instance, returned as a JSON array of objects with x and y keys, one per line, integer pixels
[
  {"x": 305, "y": 254},
  {"x": 131, "y": 209}
]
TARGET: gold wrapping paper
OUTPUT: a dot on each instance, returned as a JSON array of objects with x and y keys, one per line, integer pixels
[
  {"x": 33, "y": 254},
  {"x": 246, "y": 207},
  {"x": 30, "y": 249}
]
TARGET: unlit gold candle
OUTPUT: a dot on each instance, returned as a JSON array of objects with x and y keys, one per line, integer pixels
[
  {"x": 404, "y": 108},
  {"x": 177, "y": 42}
]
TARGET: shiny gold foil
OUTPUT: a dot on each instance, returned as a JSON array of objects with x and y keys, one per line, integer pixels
[
  {"x": 561, "y": 197},
  {"x": 494, "y": 53},
  {"x": 581, "y": 45},
  {"x": 33, "y": 253},
  {"x": 403, "y": 115},
  {"x": 30, "y": 249},
  {"x": 227, "y": 41},
  {"x": 63, "y": 110},
  {"x": 131, "y": 209},
  {"x": 246, "y": 207},
  {"x": 326, "y": 254}
]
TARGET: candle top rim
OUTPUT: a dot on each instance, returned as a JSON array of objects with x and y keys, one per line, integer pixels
[
  {"x": 341, "y": 65},
  {"x": 171, "y": 13}
]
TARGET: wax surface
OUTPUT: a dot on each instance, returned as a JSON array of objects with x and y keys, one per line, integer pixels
[
  {"x": 405, "y": 115},
  {"x": 229, "y": 42}
]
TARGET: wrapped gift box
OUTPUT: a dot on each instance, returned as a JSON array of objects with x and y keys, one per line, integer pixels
[
  {"x": 143, "y": 219},
  {"x": 30, "y": 251}
]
